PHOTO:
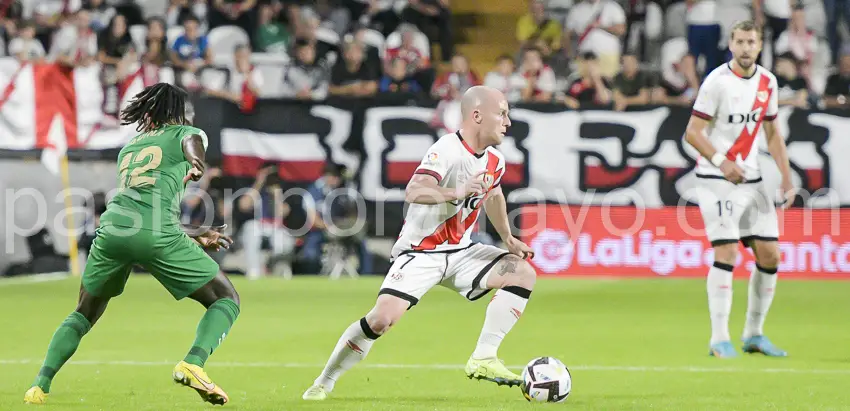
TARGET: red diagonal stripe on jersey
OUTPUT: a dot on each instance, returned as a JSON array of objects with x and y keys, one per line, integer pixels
[
  {"x": 744, "y": 144},
  {"x": 492, "y": 168},
  {"x": 451, "y": 230}
]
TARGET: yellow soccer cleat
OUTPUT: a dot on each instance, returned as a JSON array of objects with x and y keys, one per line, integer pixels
[
  {"x": 194, "y": 377},
  {"x": 35, "y": 395},
  {"x": 492, "y": 369},
  {"x": 315, "y": 393}
]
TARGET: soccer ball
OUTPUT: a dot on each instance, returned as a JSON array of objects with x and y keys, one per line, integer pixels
[{"x": 546, "y": 379}]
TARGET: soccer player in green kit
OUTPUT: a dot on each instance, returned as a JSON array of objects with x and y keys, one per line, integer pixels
[{"x": 141, "y": 226}]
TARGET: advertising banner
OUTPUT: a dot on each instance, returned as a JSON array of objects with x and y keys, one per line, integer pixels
[{"x": 670, "y": 242}]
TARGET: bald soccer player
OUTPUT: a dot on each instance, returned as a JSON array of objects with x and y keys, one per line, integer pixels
[{"x": 458, "y": 175}]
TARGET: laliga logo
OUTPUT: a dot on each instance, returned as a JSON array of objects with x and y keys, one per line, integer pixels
[{"x": 553, "y": 250}]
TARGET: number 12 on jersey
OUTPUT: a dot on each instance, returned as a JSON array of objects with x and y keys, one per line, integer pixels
[{"x": 136, "y": 163}]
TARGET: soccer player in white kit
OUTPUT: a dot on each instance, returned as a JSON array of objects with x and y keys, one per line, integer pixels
[
  {"x": 458, "y": 176},
  {"x": 734, "y": 103}
]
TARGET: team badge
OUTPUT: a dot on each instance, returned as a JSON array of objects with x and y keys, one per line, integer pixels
[
  {"x": 489, "y": 179},
  {"x": 396, "y": 276},
  {"x": 762, "y": 96}
]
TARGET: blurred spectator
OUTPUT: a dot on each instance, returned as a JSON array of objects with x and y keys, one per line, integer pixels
[
  {"x": 352, "y": 76},
  {"x": 101, "y": 14},
  {"x": 180, "y": 10},
  {"x": 26, "y": 47},
  {"x": 50, "y": 15},
  {"x": 244, "y": 82},
  {"x": 536, "y": 29},
  {"x": 375, "y": 14},
  {"x": 190, "y": 53},
  {"x": 268, "y": 210},
  {"x": 799, "y": 41},
  {"x": 837, "y": 93},
  {"x": 329, "y": 201},
  {"x": 505, "y": 79},
  {"x": 431, "y": 15},
  {"x": 644, "y": 23},
  {"x": 679, "y": 82},
  {"x": 396, "y": 80},
  {"x": 75, "y": 44},
  {"x": 704, "y": 32},
  {"x": 598, "y": 26},
  {"x": 306, "y": 76},
  {"x": 156, "y": 44},
  {"x": 371, "y": 52},
  {"x": 540, "y": 81},
  {"x": 329, "y": 14},
  {"x": 451, "y": 85},
  {"x": 591, "y": 88},
  {"x": 273, "y": 35},
  {"x": 773, "y": 15},
  {"x": 729, "y": 12},
  {"x": 241, "y": 13},
  {"x": 792, "y": 88},
  {"x": 631, "y": 86},
  {"x": 834, "y": 9},
  {"x": 417, "y": 63},
  {"x": 117, "y": 56}
]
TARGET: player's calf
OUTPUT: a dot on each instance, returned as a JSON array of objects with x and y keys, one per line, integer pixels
[
  {"x": 719, "y": 290},
  {"x": 515, "y": 278},
  {"x": 356, "y": 341}
]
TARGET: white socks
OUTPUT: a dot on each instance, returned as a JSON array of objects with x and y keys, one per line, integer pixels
[
  {"x": 761, "y": 291},
  {"x": 351, "y": 348},
  {"x": 719, "y": 287},
  {"x": 503, "y": 312}
]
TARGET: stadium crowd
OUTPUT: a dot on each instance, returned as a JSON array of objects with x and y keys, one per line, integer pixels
[{"x": 570, "y": 52}]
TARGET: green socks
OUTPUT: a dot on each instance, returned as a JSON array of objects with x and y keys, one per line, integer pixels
[
  {"x": 214, "y": 326},
  {"x": 65, "y": 341}
]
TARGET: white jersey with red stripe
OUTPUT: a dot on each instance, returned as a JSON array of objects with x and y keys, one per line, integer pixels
[
  {"x": 448, "y": 226},
  {"x": 736, "y": 107}
]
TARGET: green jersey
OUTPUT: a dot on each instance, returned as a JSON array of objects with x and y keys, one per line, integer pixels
[{"x": 151, "y": 168}]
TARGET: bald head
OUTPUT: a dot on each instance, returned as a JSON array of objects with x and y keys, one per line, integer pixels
[{"x": 477, "y": 96}]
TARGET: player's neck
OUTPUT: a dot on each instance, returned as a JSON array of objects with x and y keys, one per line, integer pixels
[
  {"x": 473, "y": 140},
  {"x": 740, "y": 71}
]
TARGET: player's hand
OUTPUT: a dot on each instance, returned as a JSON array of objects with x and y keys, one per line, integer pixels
[
  {"x": 475, "y": 185},
  {"x": 732, "y": 171},
  {"x": 519, "y": 248},
  {"x": 789, "y": 193},
  {"x": 194, "y": 174},
  {"x": 214, "y": 238}
]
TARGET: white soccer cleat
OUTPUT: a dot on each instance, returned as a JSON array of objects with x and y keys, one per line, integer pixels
[{"x": 315, "y": 393}]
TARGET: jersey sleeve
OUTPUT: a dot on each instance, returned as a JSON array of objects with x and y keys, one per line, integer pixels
[
  {"x": 773, "y": 104},
  {"x": 705, "y": 106},
  {"x": 189, "y": 131},
  {"x": 436, "y": 162}
]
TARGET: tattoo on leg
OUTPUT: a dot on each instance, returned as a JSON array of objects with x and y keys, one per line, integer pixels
[{"x": 508, "y": 265}]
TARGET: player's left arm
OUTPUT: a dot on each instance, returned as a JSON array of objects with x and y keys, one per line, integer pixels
[
  {"x": 497, "y": 212},
  {"x": 194, "y": 150},
  {"x": 776, "y": 146}
]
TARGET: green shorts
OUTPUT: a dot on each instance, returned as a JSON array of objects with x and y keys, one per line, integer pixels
[{"x": 174, "y": 259}]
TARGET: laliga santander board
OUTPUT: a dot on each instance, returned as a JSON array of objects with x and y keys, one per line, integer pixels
[{"x": 670, "y": 241}]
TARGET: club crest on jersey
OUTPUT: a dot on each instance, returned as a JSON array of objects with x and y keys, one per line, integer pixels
[
  {"x": 489, "y": 179},
  {"x": 762, "y": 96},
  {"x": 397, "y": 276}
]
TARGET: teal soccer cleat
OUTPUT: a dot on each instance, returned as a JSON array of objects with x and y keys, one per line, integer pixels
[
  {"x": 761, "y": 344},
  {"x": 723, "y": 349}
]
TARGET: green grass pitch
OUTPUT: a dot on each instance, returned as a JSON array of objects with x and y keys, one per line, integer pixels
[{"x": 630, "y": 344}]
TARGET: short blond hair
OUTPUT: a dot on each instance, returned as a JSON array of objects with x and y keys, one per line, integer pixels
[{"x": 745, "y": 25}]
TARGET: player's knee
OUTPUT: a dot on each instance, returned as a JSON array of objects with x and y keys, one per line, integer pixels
[
  {"x": 524, "y": 276},
  {"x": 768, "y": 258},
  {"x": 726, "y": 253},
  {"x": 388, "y": 310}
]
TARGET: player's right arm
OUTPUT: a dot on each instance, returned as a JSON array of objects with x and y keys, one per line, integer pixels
[
  {"x": 424, "y": 187},
  {"x": 705, "y": 107}
]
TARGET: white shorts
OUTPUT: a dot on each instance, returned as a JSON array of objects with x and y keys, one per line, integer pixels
[
  {"x": 733, "y": 213},
  {"x": 465, "y": 270}
]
